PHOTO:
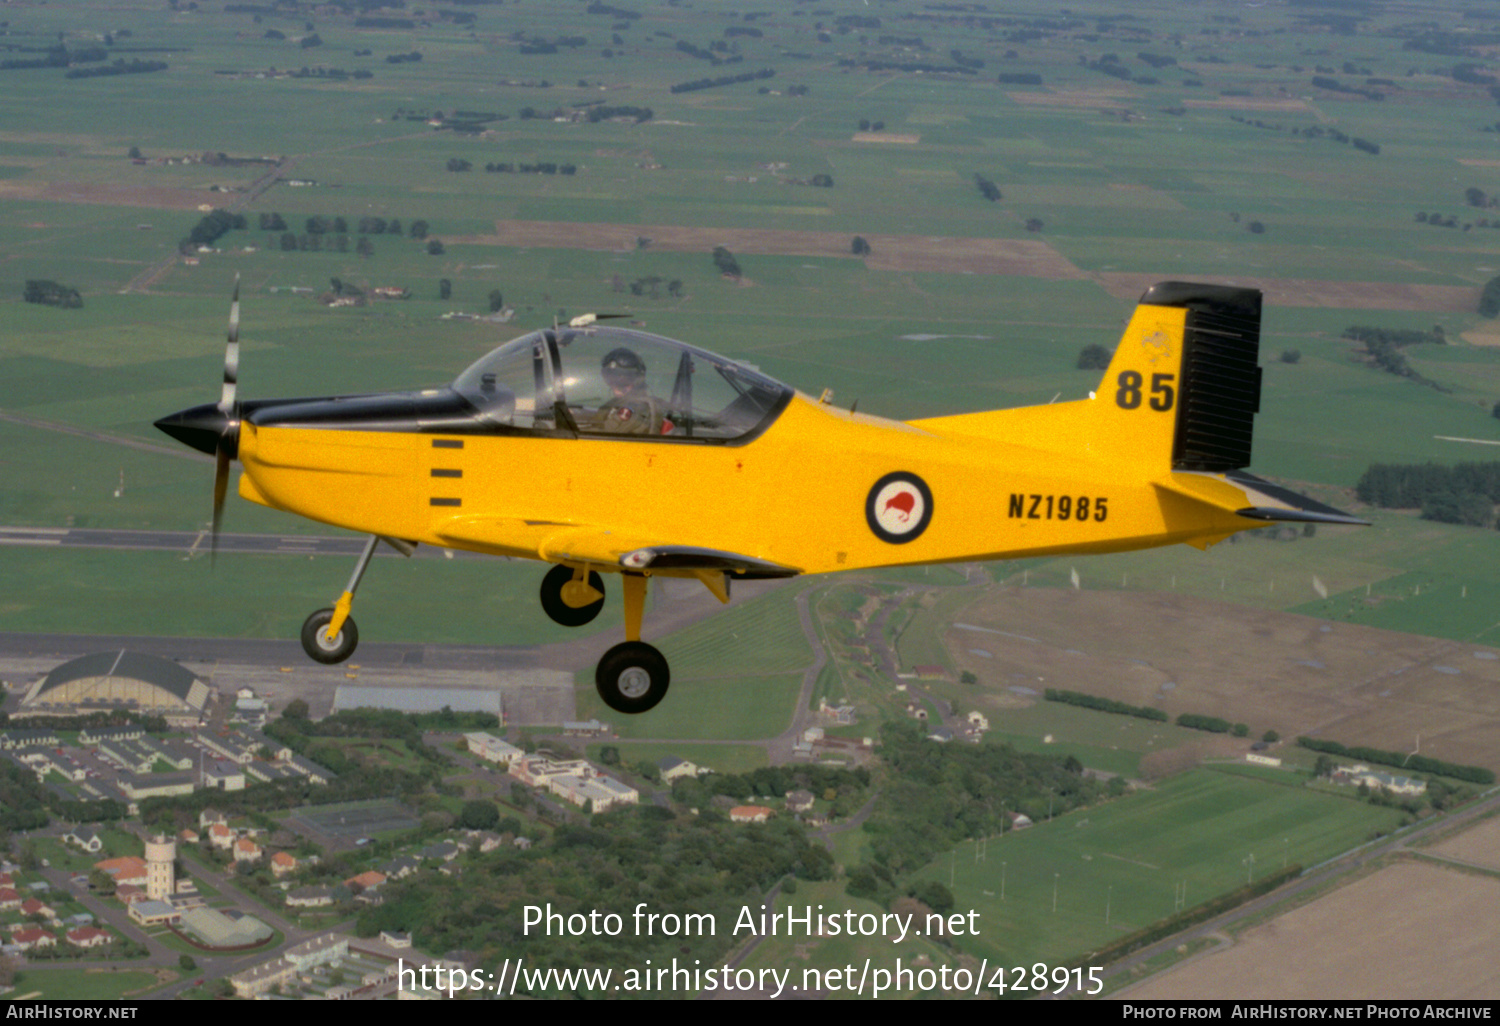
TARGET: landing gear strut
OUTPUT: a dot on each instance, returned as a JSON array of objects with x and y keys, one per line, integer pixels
[
  {"x": 632, "y": 677},
  {"x": 329, "y": 635}
]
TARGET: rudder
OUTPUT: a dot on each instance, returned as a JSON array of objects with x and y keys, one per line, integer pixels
[{"x": 1183, "y": 386}]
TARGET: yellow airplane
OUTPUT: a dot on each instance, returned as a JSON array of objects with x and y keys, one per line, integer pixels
[{"x": 603, "y": 449}]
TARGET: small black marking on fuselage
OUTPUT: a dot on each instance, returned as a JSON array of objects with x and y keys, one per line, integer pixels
[
  {"x": 445, "y": 502},
  {"x": 446, "y": 472},
  {"x": 447, "y": 443}
]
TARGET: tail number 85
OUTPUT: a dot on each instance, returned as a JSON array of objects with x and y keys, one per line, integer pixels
[{"x": 1163, "y": 393}]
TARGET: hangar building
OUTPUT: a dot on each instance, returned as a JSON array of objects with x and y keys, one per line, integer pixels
[{"x": 123, "y": 680}]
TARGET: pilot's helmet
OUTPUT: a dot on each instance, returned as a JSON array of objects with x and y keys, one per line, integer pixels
[{"x": 623, "y": 369}]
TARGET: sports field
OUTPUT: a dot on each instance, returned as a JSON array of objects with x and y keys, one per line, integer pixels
[{"x": 1057, "y": 889}]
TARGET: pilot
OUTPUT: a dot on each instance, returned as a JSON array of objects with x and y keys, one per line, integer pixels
[{"x": 631, "y": 409}]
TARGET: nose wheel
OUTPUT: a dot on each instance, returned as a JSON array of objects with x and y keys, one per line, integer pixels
[
  {"x": 320, "y": 647},
  {"x": 632, "y": 677},
  {"x": 329, "y": 635}
]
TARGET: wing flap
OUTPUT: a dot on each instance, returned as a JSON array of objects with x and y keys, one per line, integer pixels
[
  {"x": 687, "y": 557},
  {"x": 557, "y": 542}
]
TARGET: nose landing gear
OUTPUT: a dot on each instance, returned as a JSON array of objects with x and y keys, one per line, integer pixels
[{"x": 329, "y": 635}]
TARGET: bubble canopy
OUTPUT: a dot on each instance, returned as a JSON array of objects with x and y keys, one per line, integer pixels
[{"x": 568, "y": 380}]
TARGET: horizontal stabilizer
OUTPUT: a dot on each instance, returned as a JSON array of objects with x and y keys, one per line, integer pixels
[
  {"x": 1253, "y": 498},
  {"x": 1285, "y": 505}
]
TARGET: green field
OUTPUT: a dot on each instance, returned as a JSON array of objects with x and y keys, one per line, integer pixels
[
  {"x": 114, "y": 984},
  {"x": 1149, "y": 170},
  {"x": 1116, "y": 868},
  {"x": 1148, "y": 145}
]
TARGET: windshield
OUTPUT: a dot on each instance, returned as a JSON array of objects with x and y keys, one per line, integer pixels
[{"x": 617, "y": 382}]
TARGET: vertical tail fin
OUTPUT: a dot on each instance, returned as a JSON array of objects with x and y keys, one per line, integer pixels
[
  {"x": 1181, "y": 391},
  {"x": 1183, "y": 387}
]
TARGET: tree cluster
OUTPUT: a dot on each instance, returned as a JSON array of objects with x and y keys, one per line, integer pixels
[
  {"x": 610, "y": 11},
  {"x": 608, "y": 113},
  {"x": 726, "y": 263},
  {"x": 1094, "y": 357},
  {"x": 1489, "y": 298},
  {"x": 939, "y": 795},
  {"x": 1333, "y": 85},
  {"x": 1465, "y": 493},
  {"x": 1384, "y": 348},
  {"x": 673, "y": 864},
  {"x": 651, "y": 285},
  {"x": 545, "y": 167},
  {"x": 50, "y": 293},
  {"x": 988, "y": 189},
  {"x": 57, "y": 56},
  {"x": 211, "y": 226}
]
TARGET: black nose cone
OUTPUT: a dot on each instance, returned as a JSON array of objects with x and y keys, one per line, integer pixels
[{"x": 205, "y": 428}]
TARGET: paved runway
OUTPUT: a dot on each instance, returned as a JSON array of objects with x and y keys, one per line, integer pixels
[{"x": 197, "y": 541}]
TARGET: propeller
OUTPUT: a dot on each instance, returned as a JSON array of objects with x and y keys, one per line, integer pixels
[
  {"x": 214, "y": 428},
  {"x": 229, "y": 409}
]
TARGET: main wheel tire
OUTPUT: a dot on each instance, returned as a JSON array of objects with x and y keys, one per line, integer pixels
[
  {"x": 315, "y": 640},
  {"x": 632, "y": 677},
  {"x": 560, "y": 611}
]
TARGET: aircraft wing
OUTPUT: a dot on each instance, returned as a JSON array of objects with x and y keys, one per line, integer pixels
[{"x": 573, "y": 543}]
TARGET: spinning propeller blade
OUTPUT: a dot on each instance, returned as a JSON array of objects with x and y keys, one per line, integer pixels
[
  {"x": 229, "y": 408},
  {"x": 232, "y": 353}
]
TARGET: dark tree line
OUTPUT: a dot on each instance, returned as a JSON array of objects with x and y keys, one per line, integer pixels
[
  {"x": 119, "y": 67},
  {"x": 722, "y": 80},
  {"x": 1384, "y": 347},
  {"x": 1416, "y": 763},
  {"x": 1465, "y": 493},
  {"x": 545, "y": 167},
  {"x": 605, "y": 113},
  {"x": 1108, "y": 705}
]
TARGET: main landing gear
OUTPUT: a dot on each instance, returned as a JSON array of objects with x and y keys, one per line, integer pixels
[
  {"x": 329, "y": 635},
  {"x": 633, "y": 676}
]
